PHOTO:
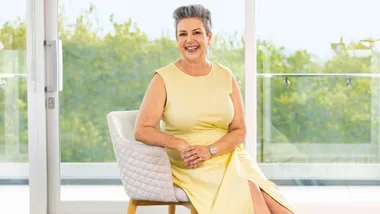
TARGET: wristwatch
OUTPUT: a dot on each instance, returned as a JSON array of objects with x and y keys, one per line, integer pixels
[{"x": 212, "y": 150}]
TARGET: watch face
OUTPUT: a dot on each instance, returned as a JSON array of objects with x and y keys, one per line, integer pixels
[{"x": 212, "y": 150}]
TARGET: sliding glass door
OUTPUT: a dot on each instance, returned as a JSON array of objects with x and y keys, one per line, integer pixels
[{"x": 14, "y": 186}]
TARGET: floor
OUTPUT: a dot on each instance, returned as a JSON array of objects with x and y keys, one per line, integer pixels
[{"x": 15, "y": 199}]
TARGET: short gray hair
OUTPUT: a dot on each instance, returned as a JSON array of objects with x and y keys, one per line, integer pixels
[{"x": 193, "y": 11}]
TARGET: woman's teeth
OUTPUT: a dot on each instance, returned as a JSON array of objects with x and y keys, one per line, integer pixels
[{"x": 191, "y": 48}]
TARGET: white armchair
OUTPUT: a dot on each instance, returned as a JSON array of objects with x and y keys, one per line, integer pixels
[{"x": 145, "y": 169}]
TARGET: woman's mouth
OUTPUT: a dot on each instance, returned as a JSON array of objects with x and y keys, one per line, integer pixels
[{"x": 192, "y": 49}]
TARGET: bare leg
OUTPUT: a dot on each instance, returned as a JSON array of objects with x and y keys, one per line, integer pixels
[
  {"x": 274, "y": 206},
  {"x": 258, "y": 201}
]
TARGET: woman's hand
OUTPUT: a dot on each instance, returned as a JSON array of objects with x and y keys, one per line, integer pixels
[
  {"x": 194, "y": 155},
  {"x": 182, "y": 145}
]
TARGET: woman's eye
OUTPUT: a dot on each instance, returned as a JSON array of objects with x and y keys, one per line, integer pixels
[
  {"x": 198, "y": 32},
  {"x": 181, "y": 34}
]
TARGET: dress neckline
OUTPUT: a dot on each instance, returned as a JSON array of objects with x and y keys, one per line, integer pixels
[{"x": 186, "y": 74}]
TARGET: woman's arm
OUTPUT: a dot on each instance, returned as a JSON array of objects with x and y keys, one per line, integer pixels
[
  {"x": 150, "y": 113},
  {"x": 237, "y": 128},
  {"x": 234, "y": 137}
]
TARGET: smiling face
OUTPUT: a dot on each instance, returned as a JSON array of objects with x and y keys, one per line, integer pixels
[{"x": 192, "y": 39}]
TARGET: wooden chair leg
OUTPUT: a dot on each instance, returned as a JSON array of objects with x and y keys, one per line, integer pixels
[
  {"x": 171, "y": 209},
  {"x": 193, "y": 210},
  {"x": 132, "y": 206}
]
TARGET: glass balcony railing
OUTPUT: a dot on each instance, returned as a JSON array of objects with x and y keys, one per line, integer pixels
[
  {"x": 13, "y": 107},
  {"x": 318, "y": 118}
]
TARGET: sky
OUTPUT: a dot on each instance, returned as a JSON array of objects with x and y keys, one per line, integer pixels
[{"x": 294, "y": 24}]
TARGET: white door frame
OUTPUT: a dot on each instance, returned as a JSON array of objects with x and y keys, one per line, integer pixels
[
  {"x": 36, "y": 107},
  {"x": 52, "y": 83},
  {"x": 250, "y": 77}
]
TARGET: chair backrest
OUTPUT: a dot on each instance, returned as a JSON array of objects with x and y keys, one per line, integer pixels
[
  {"x": 124, "y": 123},
  {"x": 145, "y": 169}
]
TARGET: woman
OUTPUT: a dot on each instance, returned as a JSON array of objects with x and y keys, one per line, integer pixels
[{"x": 203, "y": 127}]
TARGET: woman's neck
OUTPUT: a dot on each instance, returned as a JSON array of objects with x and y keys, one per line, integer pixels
[{"x": 196, "y": 68}]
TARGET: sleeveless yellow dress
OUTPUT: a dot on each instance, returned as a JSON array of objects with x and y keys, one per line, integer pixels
[{"x": 199, "y": 110}]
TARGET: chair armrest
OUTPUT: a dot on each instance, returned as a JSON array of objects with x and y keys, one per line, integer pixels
[{"x": 145, "y": 170}]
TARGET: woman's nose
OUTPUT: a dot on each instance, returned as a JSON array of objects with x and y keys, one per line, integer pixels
[{"x": 189, "y": 37}]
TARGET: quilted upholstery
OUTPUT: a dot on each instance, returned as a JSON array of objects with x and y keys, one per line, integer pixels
[{"x": 145, "y": 169}]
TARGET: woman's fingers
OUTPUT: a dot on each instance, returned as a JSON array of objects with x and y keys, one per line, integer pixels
[
  {"x": 188, "y": 153},
  {"x": 196, "y": 165},
  {"x": 194, "y": 155},
  {"x": 191, "y": 158},
  {"x": 196, "y": 161}
]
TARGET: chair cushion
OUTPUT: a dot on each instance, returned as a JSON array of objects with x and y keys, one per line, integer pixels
[{"x": 180, "y": 194}]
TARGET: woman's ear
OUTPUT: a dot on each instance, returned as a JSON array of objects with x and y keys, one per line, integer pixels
[{"x": 209, "y": 36}]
